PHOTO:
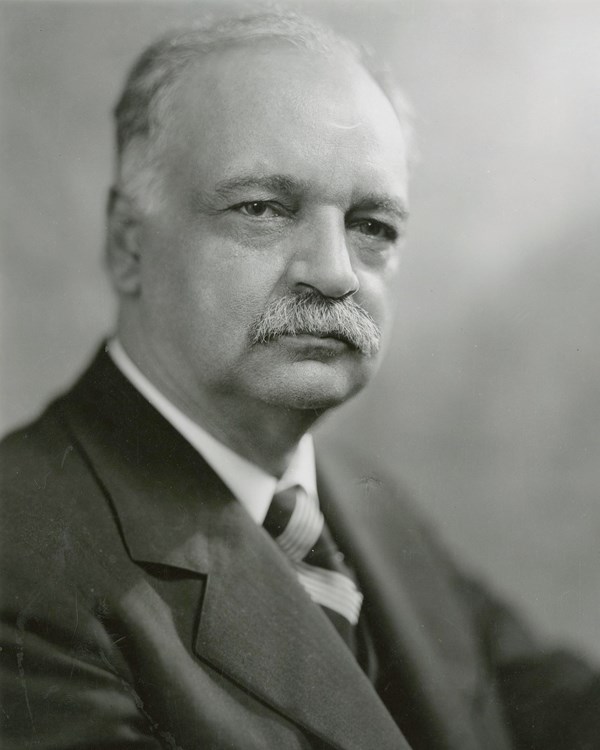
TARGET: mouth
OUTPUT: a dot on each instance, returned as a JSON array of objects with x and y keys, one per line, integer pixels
[{"x": 329, "y": 341}]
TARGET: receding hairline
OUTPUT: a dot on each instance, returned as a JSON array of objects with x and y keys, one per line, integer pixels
[
  {"x": 145, "y": 112},
  {"x": 159, "y": 67}
]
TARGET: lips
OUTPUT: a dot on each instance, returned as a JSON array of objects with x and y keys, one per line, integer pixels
[
  {"x": 329, "y": 335},
  {"x": 330, "y": 341}
]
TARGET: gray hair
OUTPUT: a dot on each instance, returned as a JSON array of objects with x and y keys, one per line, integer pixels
[{"x": 144, "y": 111}]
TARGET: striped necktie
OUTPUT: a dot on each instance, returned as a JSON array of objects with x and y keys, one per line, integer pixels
[{"x": 297, "y": 525}]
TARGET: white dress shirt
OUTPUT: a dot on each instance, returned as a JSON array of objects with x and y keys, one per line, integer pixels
[{"x": 250, "y": 484}]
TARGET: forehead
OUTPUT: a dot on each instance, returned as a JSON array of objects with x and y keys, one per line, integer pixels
[{"x": 277, "y": 109}]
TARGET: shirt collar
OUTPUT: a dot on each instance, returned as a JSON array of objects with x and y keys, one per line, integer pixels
[{"x": 250, "y": 484}]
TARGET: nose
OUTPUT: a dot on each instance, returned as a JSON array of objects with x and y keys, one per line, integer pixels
[{"x": 321, "y": 260}]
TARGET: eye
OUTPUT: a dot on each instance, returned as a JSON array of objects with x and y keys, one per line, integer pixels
[
  {"x": 259, "y": 209},
  {"x": 376, "y": 229}
]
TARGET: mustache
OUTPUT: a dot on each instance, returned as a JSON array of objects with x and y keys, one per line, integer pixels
[{"x": 312, "y": 313}]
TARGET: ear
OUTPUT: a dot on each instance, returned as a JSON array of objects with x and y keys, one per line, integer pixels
[{"x": 123, "y": 242}]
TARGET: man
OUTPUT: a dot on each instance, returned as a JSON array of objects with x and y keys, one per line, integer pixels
[{"x": 179, "y": 572}]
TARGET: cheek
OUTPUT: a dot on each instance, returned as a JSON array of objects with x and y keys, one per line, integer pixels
[
  {"x": 378, "y": 294},
  {"x": 227, "y": 286}
]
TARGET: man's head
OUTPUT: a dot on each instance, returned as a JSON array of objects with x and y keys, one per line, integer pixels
[{"x": 259, "y": 206}]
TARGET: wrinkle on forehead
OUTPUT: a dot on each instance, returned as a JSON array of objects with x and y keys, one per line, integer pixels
[
  {"x": 287, "y": 113},
  {"x": 345, "y": 127}
]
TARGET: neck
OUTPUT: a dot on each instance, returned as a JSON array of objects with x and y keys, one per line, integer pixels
[
  {"x": 266, "y": 437},
  {"x": 264, "y": 434}
]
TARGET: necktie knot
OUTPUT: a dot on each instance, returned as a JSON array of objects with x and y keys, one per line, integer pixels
[{"x": 296, "y": 523}]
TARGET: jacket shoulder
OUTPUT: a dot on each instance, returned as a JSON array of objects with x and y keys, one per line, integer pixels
[
  {"x": 51, "y": 504},
  {"x": 32, "y": 463},
  {"x": 341, "y": 463}
]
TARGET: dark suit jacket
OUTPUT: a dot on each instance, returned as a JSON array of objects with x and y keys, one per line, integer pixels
[{"x": 143, "y": 608}]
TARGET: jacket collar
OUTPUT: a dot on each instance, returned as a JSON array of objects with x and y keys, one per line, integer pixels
[{"x": 255, "y": 618}]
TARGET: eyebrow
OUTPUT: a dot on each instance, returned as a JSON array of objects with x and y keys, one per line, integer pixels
[
  {"x": 282, "y": 183},
  {"x": 385, "y": 203}
]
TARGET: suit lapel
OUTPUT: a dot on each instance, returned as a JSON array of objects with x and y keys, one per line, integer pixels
[
  {"x": 425, "y": 635},
  {"x": 255, "y": 620},
  {"x": 260, "y": 627}
]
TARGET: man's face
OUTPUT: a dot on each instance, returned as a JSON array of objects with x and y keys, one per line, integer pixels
[{"x": 285, "y": 174}]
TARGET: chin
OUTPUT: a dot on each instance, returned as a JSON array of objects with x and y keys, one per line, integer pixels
[{"x": 315, "y": 387}]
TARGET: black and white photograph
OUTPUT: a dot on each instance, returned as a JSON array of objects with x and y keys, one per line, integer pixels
[{"x": 299, "y": 386}]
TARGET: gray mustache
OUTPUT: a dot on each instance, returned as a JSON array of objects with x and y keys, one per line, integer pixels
[{"x": 312, "y": 313}]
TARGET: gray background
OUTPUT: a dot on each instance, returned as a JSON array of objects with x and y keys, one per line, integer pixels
[{"x": 488, "y": 403}]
